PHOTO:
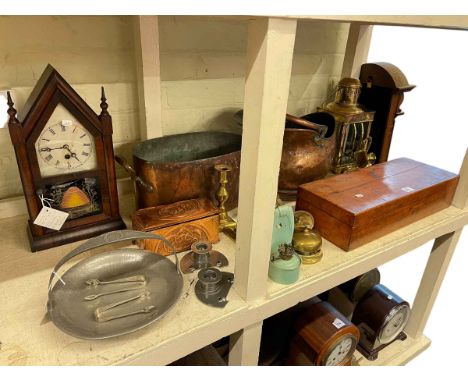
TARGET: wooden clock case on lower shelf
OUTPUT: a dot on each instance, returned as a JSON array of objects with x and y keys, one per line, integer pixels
[
  {"x": 320, "y": 330},
  {"x": 372, "y": 313}
]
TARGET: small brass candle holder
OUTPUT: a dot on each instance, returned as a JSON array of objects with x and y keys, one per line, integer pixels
[{"x": 226, "y": 223}]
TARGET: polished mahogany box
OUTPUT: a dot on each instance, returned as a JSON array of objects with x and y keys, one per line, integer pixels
[{"x": 355, "y": 208}]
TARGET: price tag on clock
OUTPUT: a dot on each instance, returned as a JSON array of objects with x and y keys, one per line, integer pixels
[
  {"x": 337, "y": 323},
  {"x": 51, "y": 218}
]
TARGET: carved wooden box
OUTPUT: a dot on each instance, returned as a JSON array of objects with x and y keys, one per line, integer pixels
[
  {"x": 182, "y": 223},
  {"x": 355, "y": 208}
]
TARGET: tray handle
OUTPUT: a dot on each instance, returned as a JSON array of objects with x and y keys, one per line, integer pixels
[{"x": 111, "y": 238}]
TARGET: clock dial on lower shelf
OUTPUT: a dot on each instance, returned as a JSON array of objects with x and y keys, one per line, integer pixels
[
  {"x": 397, "y": 320},
  {"x": 340, "y": 352}
]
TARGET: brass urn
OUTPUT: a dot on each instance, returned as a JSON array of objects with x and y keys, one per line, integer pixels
[{"x": 306, "y": 241}]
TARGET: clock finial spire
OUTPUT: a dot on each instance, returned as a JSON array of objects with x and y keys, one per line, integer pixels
[
  {"x": 11, "y": 110},
  {"x": 104, "y": 104}
]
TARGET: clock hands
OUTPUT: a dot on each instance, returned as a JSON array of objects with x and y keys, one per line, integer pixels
[
  {"x": 47, "y": 149},
  {"x": 64, "y": 147},
  {"x": 72, "y": 154}
]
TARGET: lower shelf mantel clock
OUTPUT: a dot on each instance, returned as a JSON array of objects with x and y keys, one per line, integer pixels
[
  {"x": 66, "y": 162},
  {"x": 324, "y": 337},
  {"x": 381, "y": 316}
]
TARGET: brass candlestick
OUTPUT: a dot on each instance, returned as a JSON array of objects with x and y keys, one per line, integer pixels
[{"x": 226, "y": 223}]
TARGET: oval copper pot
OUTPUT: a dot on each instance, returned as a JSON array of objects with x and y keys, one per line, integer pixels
[{"x": 180, "y": 167}]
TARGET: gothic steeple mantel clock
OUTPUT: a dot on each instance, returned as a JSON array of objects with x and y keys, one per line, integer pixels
[{"x": 66, "y": 162}]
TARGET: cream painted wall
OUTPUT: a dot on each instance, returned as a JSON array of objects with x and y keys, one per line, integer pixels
[
  {"x": 89, "y": 51},
  {"x": 202, "y": 71}
]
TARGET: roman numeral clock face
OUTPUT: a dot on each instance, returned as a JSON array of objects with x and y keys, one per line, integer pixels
[{"x": 64, "y": 146}]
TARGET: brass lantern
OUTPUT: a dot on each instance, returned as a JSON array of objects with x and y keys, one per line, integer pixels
[{"x": 353, "y": 126}]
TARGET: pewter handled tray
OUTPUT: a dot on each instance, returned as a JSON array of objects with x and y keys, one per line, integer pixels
[{"x": 74, "y": 315}]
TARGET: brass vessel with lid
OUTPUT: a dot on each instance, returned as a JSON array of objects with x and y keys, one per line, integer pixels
[{"x": 306, "y": 241}]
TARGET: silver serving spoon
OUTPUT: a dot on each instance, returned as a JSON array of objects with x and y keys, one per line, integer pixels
[
  {"x": 105, "y": 308},
  {"x": 131, "y": 279},
  {"x": 95, "y": 296},
  {"x": 148, "y": 309}
]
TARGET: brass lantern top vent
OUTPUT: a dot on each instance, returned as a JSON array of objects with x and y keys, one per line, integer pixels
[{"x": 346, "y": 97}]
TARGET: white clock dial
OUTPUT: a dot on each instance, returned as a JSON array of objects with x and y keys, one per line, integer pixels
[
  {"x": 64, "y": 146},
  {"x": 341, "y": 351},
  {"x": 394, "y": 324}
]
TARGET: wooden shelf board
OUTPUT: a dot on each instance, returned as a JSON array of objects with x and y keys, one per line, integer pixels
[
  {"x": 397, "y": 354},
  {"x": 26, "y": 340},
  {"x": 338, "y": 266},
  {"x": 427, "y": 21},
  {"x": 190, "y": 325}
]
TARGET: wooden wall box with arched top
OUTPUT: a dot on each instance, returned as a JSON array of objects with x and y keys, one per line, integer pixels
[
  {"x": 383, "y": 88},
  {"x": 85, "y": 169}
]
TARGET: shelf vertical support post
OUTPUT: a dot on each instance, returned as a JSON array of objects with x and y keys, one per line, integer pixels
[
  {"x": 434, "y": 274},
  {"x": 148, "y": 75},
  {"x": 269, "y": 59},
  {"x": 244, "y": 345},
  {"x": 270, "y": 47},
  {"x": 439, "y": 260},
  {"x": 357, "y": 49}
]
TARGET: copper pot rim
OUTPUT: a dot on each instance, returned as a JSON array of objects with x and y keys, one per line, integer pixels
[
  {"x": 192, "y": 163},
  {"x": 308, "y": 131},
  {"x": 200, "y": 161}
]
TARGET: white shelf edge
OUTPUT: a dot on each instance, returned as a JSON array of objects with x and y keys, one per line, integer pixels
[
  {"x": 286, "y": 297},
  {"x": 398, "y": 353},
  {"x": 322, "y": 281},
  {"x": 459, "y": 22}
]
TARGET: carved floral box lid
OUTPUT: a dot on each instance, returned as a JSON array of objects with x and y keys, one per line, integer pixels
[{"x": 152, "y": 218}]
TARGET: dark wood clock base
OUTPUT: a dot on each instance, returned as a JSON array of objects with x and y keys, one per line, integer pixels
[
  {"x": 54, "y": 239},
  {"x": 373, "y": 354}
]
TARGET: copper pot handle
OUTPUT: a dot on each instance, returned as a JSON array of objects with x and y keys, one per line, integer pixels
[
  {"x": 120, "y": 160},
  {"x": 321, "y": 130}
]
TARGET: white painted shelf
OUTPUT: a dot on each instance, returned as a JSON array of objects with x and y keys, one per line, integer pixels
[
  {"x": 446, "y": 22},
  {"x": 26, "y": 340},
  {"x": 397, "y": 354},
  {"x": 190, "y": 325},
  {"x": 338, "y": 266}
]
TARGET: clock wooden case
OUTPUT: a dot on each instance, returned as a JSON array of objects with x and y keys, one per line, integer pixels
[
  {"x": 66, "y": 161},
  {"x": 381, "y": 316},
  {"x": 324, "y": 337},
  {"x": 346, "y": 296}
]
